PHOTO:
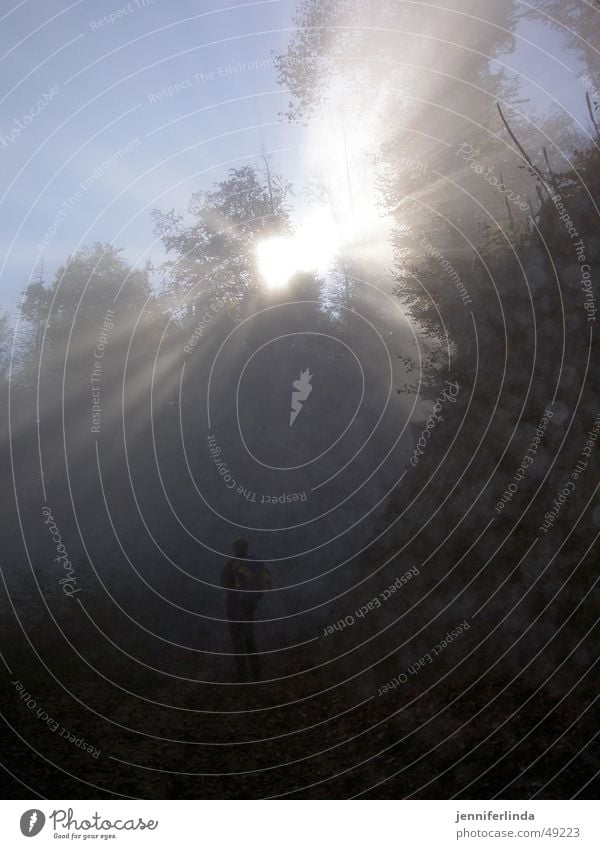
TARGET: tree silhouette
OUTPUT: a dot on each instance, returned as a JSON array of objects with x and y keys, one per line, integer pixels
[{"x": 214, "y": 252}]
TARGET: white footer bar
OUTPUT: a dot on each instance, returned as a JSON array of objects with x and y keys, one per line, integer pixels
[{"x": 290, "y": 824}]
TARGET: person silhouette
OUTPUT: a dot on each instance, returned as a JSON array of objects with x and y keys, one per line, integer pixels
[{"x": 245, "y": 578}]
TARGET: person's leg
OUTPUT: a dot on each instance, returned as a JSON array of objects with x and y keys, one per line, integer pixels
[
  {"x": 236, "y": 629},
  {"x": 251, "y": 649}
]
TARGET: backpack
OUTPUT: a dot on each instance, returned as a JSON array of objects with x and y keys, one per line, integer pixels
[{"x": 252, "y": 575}]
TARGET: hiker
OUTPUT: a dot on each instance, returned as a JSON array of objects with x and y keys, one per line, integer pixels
[{"x": 245, "y": 578}]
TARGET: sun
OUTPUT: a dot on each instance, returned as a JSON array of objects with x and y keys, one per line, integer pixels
[
  {"x": 276, "y": 261},
  {"x": 311, "y": 249}
]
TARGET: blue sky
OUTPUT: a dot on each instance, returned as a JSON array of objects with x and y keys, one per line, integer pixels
[
  {"x": 105, "y": 84},
  {"x": 110, "y": 83}
]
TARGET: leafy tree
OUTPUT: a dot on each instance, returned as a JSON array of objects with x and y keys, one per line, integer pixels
[
  {"x": 60, "y": 323},
  {"x": 214, "y": 255},
  {"x": 32, "y": 322},
  {"x": 6, "y": 344},
  {"x": 93, "y": 280},
  {"x": 421, "y": 79}
]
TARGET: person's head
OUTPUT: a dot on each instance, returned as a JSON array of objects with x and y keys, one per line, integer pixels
[{"x": 240, "y": 547}]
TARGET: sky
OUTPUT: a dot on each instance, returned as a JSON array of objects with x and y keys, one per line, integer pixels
[
  {"x": 109, "y": 109},
  {"x": 111, "y": 80}
]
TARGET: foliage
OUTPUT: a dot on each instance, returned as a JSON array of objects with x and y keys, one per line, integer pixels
[{"x": 214, "y": 251}]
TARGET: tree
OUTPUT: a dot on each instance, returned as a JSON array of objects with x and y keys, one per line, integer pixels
[
  {"x": 422, "y": 81},
  {"x": 60, "y": 323},
  {"x": 214, "y": 254},
  {"x": 6, "y": 345},
  {"x": 32, "y": 322}
]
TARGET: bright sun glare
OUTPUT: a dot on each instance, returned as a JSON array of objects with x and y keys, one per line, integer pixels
[
  {"x": 351, "y": 216},
  {"x": 276, "y": 261},
  {"x": 311, "y": 248}
]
